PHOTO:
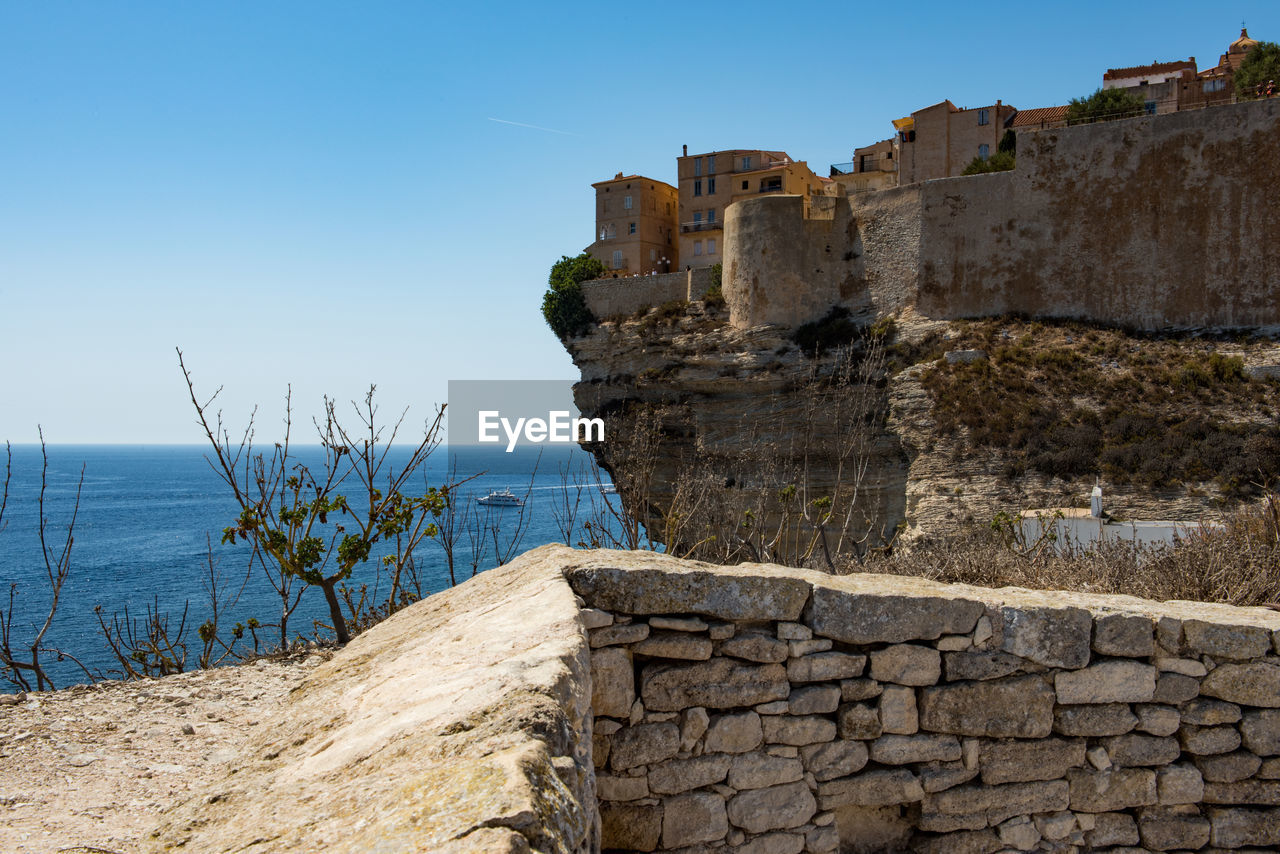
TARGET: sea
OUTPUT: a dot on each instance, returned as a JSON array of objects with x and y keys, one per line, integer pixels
[{"x": 151, "y": 521}]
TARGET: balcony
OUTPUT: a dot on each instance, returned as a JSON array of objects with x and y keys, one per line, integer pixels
[{"x": 686, "y": 227}]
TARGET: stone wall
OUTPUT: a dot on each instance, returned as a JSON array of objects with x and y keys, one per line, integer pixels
[
  {"x": 758, "y": 709},
  {"x": 1155, "y": 222},
  {"x": 629, "y": 294},
  {"x": 763, "y": 710}
]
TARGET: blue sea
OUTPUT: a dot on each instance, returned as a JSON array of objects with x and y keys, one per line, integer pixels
[{"x": 148, "y": 514}]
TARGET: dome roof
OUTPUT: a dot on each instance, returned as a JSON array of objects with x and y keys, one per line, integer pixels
[{"x": 1242, "y": 44}]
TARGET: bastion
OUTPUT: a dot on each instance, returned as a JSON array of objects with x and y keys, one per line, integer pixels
[{"x": 579, "y": 701}]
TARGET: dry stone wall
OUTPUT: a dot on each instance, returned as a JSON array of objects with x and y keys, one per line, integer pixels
[
  {"x": 628, "y": 294},
  {"x": 771, "y": 711}
]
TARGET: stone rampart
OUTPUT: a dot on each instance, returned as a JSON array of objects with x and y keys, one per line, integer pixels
[
  {"x": 757, "y": 709},
  {"x": 1159, "y": 222},
  {"x": 628, "y": 294}
]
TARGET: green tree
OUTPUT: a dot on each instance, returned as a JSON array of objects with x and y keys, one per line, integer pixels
[
  {"x": 1104, "y": 105},
  {"x": 563, "y": 305},
  {"x": 1001, "y": 161},
  {"x": 1261, "y": 65}
]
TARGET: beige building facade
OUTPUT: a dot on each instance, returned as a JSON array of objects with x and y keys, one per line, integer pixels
[
  {"x": 941, "y": 140},
  {"x": 636, "y": 226},
  {"x": 710, "y": 182},
  {"x": 874, "y": 167}
]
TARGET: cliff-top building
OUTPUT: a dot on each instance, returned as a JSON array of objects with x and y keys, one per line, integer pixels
[
  {"x": 711, "y": 182},
  {"x": 941, "y": 140},
  {"x": 636, "y": 225}
]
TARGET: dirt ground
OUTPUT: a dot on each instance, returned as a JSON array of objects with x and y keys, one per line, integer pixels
[{"x": 89, "y": 769}]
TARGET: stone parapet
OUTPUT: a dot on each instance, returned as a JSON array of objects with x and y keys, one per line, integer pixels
[{"x": 610, "y": 297}]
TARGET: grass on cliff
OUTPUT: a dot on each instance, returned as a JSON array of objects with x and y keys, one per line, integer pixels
[
  {"x": 1070, "y": 401},
  {"x": 1238, "y": 564}
]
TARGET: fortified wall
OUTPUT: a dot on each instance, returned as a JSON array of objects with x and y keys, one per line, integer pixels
[
  {"x": 1155, "y": 222},
  {"x": 578, "y": 701},
  {"x": 628, "y": 294}
]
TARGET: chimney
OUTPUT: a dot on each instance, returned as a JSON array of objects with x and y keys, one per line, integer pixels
[{"x": 686, "y": 151}]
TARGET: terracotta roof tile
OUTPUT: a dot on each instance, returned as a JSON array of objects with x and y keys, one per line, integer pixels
[
  {"x": 1153, "y": 68},
  {"x": 1039, "y": 115}
]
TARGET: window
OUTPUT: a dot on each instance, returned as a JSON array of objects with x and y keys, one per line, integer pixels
[
  {"x": 744, "y": 185},
  {"x": 746, "y": 163},
  {"x": 1151, "y": 108},
  {"x": 984, "y": 117},
  {"x": 605, "y": 207},
  {"x": 617, "y": 259},
  {"x": 697, "y": 188},
  {"x": 711, "y": 247},
  {"x": 711, "y": 165},
  {"x": 711, "y": 186},
  {"x": 1214, "y": 85},
  {"x": 631, "y": 228},
  {"x": 711, "y": 216},
  {"x": 626, "y": 202},
  {"x": 653, "y": 254},
  {"x": 697, "y": 220},
  {"x": 697, "y": 247},
  {"x": 984, "y": 151},
  {"x": 697, "y": 165}
]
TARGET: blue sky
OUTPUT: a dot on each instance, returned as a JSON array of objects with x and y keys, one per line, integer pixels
[{"x": 318, "y": 194}]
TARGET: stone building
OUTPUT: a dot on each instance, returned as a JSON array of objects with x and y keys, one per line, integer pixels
[
  {"x": 1158, "y": 84},
  {"x": 874, "y": 167},
  {"x": 941, "y": 140},
  {"x": 636, "y": 225},
  {"x": 1217, "y": 85},
  {"x": 712, "y": 181}
]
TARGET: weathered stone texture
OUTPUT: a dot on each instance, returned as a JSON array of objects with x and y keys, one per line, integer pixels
[
  {"x": 773, "y": 808},
  {"x": 1016, "y": 761},
  {"x": 690, "y": 819},
  {"x": 1253, "y": 684},
  {"x": 855, "y": 616},
  {"x": 1107, "y": 682},
  {"x": 1014, "y": 707},
  {"x": 682, "y": 775},
  {"x": 1055, "y": 637},
  {"x": 720, "y": 683}
]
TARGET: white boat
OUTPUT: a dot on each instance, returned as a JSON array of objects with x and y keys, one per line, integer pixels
[
  {"x": 609, "y": 489},
  {"x": 503, "y": 498}
]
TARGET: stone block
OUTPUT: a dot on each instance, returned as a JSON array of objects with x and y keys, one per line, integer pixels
[
  {"x": 1054, "y": 637},
  {"x": 908, "y": 749},
  {"x": 1110, "y": 791},
  {"x": 1158, "y": 720},
  {"x": 997, "y": 803},
  {"x": 690, "y": 819},
  {"x": 752, "y": 647},
  {"x": 1098, "y": 758},
  {"x": 656, "y": 584},
  {"x": 1169, "y": 828},
  {"x": 1101, "y": 720},
  {"x": 644, "y": 745},
  {"x": 940, "y": 776},
  {"x": 630, "y": 827},
  {"x": 720, "y": 631},
  {"x": 852, "y": 690},
  {"x": 1259, "y": 792},
  {"x": 1058, "y": 825},
  {"x": 760, "y": 770},
  {"x": 612, "y": 682},
  {"x": 693, "y": 724},
  {"x": 898, "y": 712},
  {"x": 1125, "y": 635},
  {"x": 1209, "y": 740},
  {"x": 1260, "y": 730},
  {"x": 774, "y": 843},
  {"x": 1183, "y": 666},
  {"x": 808, "y": 647},
  {"x": 773, "y": 808},
  {"x": 1115, "y": 681},
  {"x": 871, "y": 789},
  {"x": 610, "y": 787},
  {"x": 719, "y": 683},
  {"x": 834, "y": 759},
  {"x": 1112, "y": 828},
  {"x": 1013, "y": 707},
  {"x": 615, "y": 635},
  {"x": 1017, "y": 761},
  {"x": 1019, "y": 833},
  {"x": 1134, "y": 750},
  {"x": 673, "y": 644},
  {"x": 794, "y": 631},
  {"x": 954, "y": 643},
  {"x": 1206, "y": 712},
  {"x": 984, "y": 664},
  {"x": 860, "y": 721},
  {"x": 1174, "y": 689},
  {"x": 1253, "y": 684},
  {"x": 678, "y": 624},
  {"x": 594, "y": 618},
  {"x": 1236, "y": 828},
  {"x": 1239, "y": 643},
  {"x": 1270, "y": 769},
  {"x": 1228, "y": 767},
  {"x": 683, "y": 775},
  {"x": 738, "y": 733},
  {"x": 866, "y": 618},
  {"x": 777, "y": 707},
  {"x": 982, "y": 841},
  {"x": 1179, "y": 784},
  {"x": 798, "y": 731},
  {"x": 822, "y": 840},
  {"x": 825, "y": 666},
  {"x": 814, "y": 700},
  {"x": 907, "y": 664}
]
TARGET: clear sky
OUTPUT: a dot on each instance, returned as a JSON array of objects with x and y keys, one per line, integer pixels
[{"x": 330, "y": 194}]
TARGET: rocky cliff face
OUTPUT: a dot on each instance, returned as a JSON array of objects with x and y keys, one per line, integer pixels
[{"x": 735, "y": 417}]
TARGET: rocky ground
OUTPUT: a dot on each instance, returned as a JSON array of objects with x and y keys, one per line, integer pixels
[{"x": 89, "y": 769}]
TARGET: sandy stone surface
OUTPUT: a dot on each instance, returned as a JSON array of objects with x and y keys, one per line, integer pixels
[{"x": 89, "y": 769}]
